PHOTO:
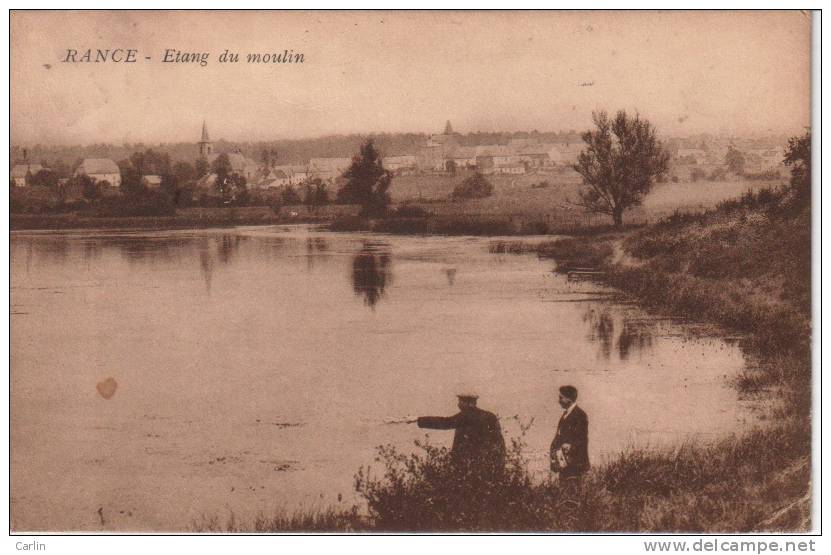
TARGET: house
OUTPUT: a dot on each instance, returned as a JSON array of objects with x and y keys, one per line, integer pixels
[
  {"x": 275, "y": 179},
  {"x": 404, "y": 162},
  {"x": 240, "y": 165},
  {"x": 462, "y": 156},
  {"x": 509, "y": 169},
  {"x": 431, "y": 157},
  {"x": 100, "y": 169},
  {"x": 329, "y": 168},
  {"x": 488, "y": 157},
  {"x": 565, "y": 153},
  {"x": 20, "y": 171},
  {"x": 152, "y": 181},
  {"x": 535, "y": 155},
  {"x": 294, "y": 174}
]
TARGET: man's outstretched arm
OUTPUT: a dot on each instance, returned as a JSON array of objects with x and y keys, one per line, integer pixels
[{"x": 438, "y": 422}]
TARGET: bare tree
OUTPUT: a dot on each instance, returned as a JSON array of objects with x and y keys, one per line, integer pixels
[{"x": 623, "y": 157}]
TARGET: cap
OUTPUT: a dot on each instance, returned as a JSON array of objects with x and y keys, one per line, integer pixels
[{"x": 467, "y": 396}]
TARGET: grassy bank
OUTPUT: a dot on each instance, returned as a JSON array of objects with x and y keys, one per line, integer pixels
[
  {"x": 756, "y": 482},
  {"x": 470, "y": 224}
]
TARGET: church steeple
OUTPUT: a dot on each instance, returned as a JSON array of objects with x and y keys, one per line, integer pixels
[
  {"x": 448, "y": 129},
  {"x": 205, "y": 145}
]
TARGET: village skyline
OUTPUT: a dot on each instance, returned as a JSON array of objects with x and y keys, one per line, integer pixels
[{"x": 274, "y": 166}]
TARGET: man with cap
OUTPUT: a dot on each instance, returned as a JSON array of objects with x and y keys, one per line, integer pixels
[
  {"x": 570, "y": 448},
  {"x": 478, "y": 442}
]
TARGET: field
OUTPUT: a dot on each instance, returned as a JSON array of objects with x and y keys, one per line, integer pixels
[{"x": 551, "y": 198}]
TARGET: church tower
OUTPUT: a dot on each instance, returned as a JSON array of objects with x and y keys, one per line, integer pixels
[{"x": 205, "y": 144}]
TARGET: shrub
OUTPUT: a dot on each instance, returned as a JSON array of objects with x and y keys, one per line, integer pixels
[
  {"x": 425, "y": 491},
  {"x": 411, "y": 211},
  {"x": 147, "y": 203},
  {"x": 733, "y": 485},
  {"x": 697, "y": 174},
  {"x": 475, "y": 186},
  {"x": 578, "y": 252},
  {"x": 289, "y": 197},
  {"x": 768, "y": 175},
  {"x": 349, "y": 223},
  {"x": 718, "y": 174},
  {"x": 511, "y": 247}
]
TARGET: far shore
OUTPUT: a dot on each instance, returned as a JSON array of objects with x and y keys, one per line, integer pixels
[
  {"x": 63, "y": 222},
  {"x": 488, "y": 225}
]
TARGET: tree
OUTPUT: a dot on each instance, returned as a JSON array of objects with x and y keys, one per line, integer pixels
[
  {"x": 798, "y": 157},
  {"x": 150, "y": 162},
  {"x": 223, "y": 169},
  {"x": 45, "y": 178},
  {"x": 622, "y": 158},
  {"x": 321, "y": 193},
  {"x": 734, "y": 160},
  {"x": 201, "y": 167},
  {"x": 89, "y": 188},
  {"x": 269, "y": 157},
  {"x": 289, "y": 197},
  {"x": 183, "y": 173},
  {"x": 222, "y": 166},
  {"x": 475, "y": 186},
  {"x": 131, "y": 182},
  {"x": 316, "y": 194},
  {"x": 61, "y": 169},
  {"x": 237, "y": 188},
  {"x": 367, "y": 183}
]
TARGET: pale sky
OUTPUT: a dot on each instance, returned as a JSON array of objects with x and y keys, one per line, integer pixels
[{"x": 687, "y": 72}]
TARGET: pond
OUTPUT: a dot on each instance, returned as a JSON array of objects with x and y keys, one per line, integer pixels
[{"x": 256, "y": 369}]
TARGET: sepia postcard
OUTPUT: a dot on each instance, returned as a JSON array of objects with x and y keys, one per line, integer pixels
[{"x": 411, "y": 272}]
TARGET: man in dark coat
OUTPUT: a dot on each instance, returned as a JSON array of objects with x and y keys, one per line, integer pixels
[
  {"x": 478, "y": 443},
  {"x": 571, "y": 444}
]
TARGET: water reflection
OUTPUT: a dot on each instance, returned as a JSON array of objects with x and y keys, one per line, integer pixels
[
  {"x": 627, "y": 336},
  {"x": 53, "y": 250},
  {"x": 371, "y": 272},
  {"x": 29, "y": 256},
  {"x": 635, "y": 336},
  {"x": 316, "y": 247},
  {"x": 140, "y": 250},
  {"x": 601, "y": 330},
  {"x": 227, "y": 247},
  {"x": 206, "y": 264},
  {"x": 91, "y": 251}
]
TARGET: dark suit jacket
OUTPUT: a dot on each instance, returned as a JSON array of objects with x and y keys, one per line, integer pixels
[
  {"x": 574, "y": 430},
  {"x": 478, "y": 438}
]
